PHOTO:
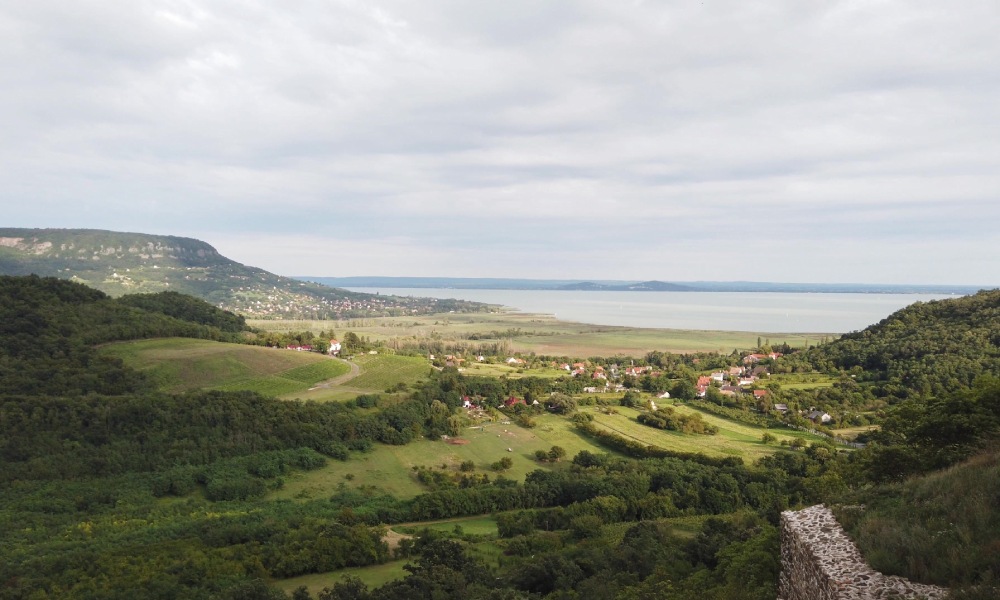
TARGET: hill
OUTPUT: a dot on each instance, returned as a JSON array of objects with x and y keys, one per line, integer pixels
[
  {"x": 49, "y": 327},
  {"x": 927, "y": 348},
  {"x": 130, "y": 263},
  {"x": 182, "y": 364}
]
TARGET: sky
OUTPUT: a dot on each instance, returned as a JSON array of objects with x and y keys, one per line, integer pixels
[{"x": 830, "y": 141}]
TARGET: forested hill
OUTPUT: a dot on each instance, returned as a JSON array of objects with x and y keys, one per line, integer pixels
[
  {"x": 928, "y": 348},
  {"x": 49, "y": 327},
  {"x": 130, "y": 263}
]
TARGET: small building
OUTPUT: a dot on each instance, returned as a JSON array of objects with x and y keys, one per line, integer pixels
[
  {"x": 782, "y": 408},
  {"x": 818, "y": 416},
  {"x": 334, "y": 348}
]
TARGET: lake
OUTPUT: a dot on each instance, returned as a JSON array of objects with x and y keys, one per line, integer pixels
[{"x": 722, "y": 311}]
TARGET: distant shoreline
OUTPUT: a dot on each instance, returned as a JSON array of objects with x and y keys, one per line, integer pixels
[{"x": 469, "y": 283}]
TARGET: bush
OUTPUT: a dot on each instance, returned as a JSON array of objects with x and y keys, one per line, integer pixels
[{"x": 503, "y": 464}]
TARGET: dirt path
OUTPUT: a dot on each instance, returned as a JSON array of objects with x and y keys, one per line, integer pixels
[{"x": 329, "y": 383}]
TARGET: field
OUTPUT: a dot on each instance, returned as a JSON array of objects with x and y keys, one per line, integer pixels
[
  {"x": 541, "y": 334},
  {"x": 802, "y": 381},
  {"x": 733, "y": 439},
  {"x": 377, "y": 374},
  {"x": 391, "y": 467},
  {"x": 182, "y": 364},
  {"x": 373, "y": 576}
]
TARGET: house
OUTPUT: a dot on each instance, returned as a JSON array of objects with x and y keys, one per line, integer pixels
[
  {"x": 752, "y": 358},
  {"x": 299, "y": 348},
  {"x": 760, "y": 371},
  {"x": 719, "y": 376},
  {"x": 590, "y": 390},
  {"x": 760, "y": 394},
  {"x": 747, "y": 380},
  {"x": 818, "y": 416},
  {"x": 704, "y": 381},
  {"x": 782, "y": 408},
  {"x": 734, "y": 371},
  {"x": 578, "y": 372},
  {"x": 509, "y": 402},
  {"x": 730, "y": 390},
  {"x": 635, "y": 371},
  {"x": 334, "y": 348},
  {"x": 514, "y": 361},
  {"x": 774, "y": 355},
  {"x": 598, "y": 375},
  {"x": 565, "y": 367},
  {"x": 701, "y": 390}
]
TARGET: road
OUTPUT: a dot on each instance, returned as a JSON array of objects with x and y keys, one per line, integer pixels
[{"x": 329, "y": 383}]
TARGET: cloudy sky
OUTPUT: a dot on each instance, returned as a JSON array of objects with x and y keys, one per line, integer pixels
[{"x": 824, "y": 141}]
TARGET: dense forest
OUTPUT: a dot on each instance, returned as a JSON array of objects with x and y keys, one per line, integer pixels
[{"x": 109, "y": 489}]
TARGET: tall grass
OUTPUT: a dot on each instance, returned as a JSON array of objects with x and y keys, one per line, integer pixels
[{"x": 943, "y": 528}]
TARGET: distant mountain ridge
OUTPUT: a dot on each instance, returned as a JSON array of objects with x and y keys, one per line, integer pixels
[
  {"x": 477, "y": 283},
  {"x": 120, "y": 263}
]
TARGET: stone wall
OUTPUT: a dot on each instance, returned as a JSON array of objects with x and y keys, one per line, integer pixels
[{"x": 819, "y": 562}]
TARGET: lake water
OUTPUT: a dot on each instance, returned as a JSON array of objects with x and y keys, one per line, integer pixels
[{"x": 723, "y": 311}]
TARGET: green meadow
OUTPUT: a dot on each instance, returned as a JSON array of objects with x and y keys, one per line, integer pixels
[
  {"x": 391, "y": 468},
  {"x": 183, "y": 364},
  {"x": 378, "y": 373},
  {"x": 733, "y": 439},
  {"x": 802, "y": 381}
]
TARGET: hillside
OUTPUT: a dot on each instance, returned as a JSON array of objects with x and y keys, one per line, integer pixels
[
  {"x": 926, "y": 348},
  {"x": 130, "y": 263},
  {"x": 49, "y": 327},
  {"x": 941, "y": 528}
]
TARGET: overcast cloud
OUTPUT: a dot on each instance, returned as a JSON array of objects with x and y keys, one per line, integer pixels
[{"x": 834, "y": 141}]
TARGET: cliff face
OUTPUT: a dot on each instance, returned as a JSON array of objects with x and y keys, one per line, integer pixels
[{"x": 819, "y": 562}]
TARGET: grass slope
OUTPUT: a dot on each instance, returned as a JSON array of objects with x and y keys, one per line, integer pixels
[
  {"x": 733, "y": 439},
  {"x": 378, "y": 373},
  {"x": 182, "y": 364},
  {"x": 943, "y": 528},
  {"x": 391, "y": 467}
]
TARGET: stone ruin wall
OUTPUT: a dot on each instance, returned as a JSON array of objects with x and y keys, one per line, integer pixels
[{"x": 819, "y": 562}]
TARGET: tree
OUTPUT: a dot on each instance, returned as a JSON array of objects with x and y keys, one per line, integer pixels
[
  {"x": 631, "y": 399},
  {"x": 768, "y": 438},
  {"x": 556, "y": 453},
  {"x": 503, "y": 464},
  {"x": 561, "y": 404}
]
